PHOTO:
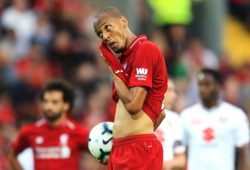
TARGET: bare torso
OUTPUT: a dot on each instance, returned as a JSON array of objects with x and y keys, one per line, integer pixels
[{"x": 126, "y": 124}]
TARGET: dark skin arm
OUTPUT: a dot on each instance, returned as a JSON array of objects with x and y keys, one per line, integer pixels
[
  {"x": 160, "y": 119},
  {"x": 243, "y": 159},
  {"x": 178, "y": 163},
  {"x": 13, "y": 160},
  {"x": 132, "y": 98}
]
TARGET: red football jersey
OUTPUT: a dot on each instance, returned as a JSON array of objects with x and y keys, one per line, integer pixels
[
  {"x": 145, "y": 66},
  {"x": 54, "y": 148}
]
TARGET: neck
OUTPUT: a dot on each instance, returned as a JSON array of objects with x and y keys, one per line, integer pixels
[
  {"x": 210, "y": 104},
  {"x": 130, "y": 38}
]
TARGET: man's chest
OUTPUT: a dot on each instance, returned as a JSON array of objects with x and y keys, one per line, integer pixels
[
  {"x": 53, "y": 144},
  {"x": 135, "y": 69},
  {"x": 127, "y": 64},
  {"x": 210, "y": 128}
]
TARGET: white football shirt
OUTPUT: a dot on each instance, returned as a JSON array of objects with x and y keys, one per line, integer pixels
[
  {"x": 170, "y": 134},
  {"x": 212, "y": 135},
  {"x": 26, "y": 159}
]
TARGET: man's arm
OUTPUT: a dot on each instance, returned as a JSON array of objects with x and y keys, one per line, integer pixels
[
  {"x": 132, "y": 98},
  {"x": 160, "y": 119},
  {"x": 243, "y": 159},
  {"x": 178, "y": 162},
  {"x": 13, "y": 160}
]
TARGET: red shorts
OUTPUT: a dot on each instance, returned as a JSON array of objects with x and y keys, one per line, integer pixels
[{"x": 138, "y": 152}]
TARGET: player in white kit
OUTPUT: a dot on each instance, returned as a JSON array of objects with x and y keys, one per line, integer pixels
[
  {"x": 214, "y": 130},
  {"x": 170, "y": 133}
]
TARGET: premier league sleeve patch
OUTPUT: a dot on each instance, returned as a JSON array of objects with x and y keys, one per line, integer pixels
[{"x": 141, "y": 74}]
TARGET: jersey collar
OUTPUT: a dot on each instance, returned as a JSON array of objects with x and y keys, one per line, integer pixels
[
  {"x": 213, "y": 107},
  {"x": 134, "y": 44},
  {"x": 66, "y": 122}
]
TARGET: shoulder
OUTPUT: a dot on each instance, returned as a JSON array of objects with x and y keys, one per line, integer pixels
[
  {"x": 9, "y": 10},
  {"x": 171, "y": 115},
  {"x": 191, "y": 109},
  {"x": 233, "y": 111},
  {"x": 77, "y": 128},
  {"x": 229, "y": 106},
  {"x": 148, "y": 51},
  {"x": 171, "y": 122},
  {"x": 35, "y": 127},
  {"x": 191, "y": 112},
  {"x": 148, "y": 46},
  {"x": 29, "y": 128}
]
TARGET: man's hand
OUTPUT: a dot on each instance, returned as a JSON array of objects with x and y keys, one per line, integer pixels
[{"x": 109, "y": 57}]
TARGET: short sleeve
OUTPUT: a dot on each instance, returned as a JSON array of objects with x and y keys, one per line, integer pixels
[
  {"x": 143, "y": 64},
  {"x": 178, "y": 141},
  {"x": 21, "y": 141},
  {"x": 242, "y": 130}
]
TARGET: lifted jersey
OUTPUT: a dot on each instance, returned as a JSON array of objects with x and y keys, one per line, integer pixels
[{"x": 145, "y": 66}]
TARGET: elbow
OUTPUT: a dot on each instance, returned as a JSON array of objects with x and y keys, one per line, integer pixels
[
  {"x": 163, "y": 115},
  {"x": 133, "y": 109},
  {"x": 182, "y": 161},
  {"x": 135, "y": 105},
  {"x": 11, "y": 155}
]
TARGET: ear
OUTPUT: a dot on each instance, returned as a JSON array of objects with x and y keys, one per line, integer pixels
[
  {"x": 66, "y": 107},
  {"x": 124, "y": 22}
]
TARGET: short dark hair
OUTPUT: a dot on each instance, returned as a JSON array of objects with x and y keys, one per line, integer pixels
[
  {"x": 214, "y": 73},
  {"x": 112, "y": 11},
  {"x": 62, "y": 86}
]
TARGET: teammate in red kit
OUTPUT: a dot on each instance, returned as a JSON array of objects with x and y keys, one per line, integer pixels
[
  {"x": 56, "y": 141},
  {"x": 140, "y": 81}
]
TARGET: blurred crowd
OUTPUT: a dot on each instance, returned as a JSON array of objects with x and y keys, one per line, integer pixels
[{"x": 42, "y": 40}]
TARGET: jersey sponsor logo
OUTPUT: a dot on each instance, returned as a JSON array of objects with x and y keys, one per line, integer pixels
[
  {"x": 208, "y": 134},
  {"x": 141, "y": 73},
  {"x": 55, "y": 152}
]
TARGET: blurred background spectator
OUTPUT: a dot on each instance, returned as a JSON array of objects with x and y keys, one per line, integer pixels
[{"x": 45, "y": 39}]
